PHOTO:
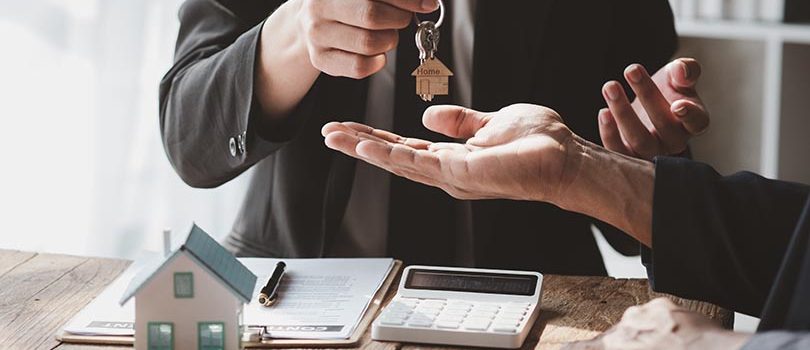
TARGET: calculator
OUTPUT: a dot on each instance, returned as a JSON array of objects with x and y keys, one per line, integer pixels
[{"x": 461, "y": 306}]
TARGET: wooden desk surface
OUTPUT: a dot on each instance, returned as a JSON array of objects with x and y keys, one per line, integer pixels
[{"x": 39, "y": 293}]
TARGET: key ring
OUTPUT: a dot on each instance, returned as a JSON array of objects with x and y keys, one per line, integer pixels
[{"x": 441, "y": 16}]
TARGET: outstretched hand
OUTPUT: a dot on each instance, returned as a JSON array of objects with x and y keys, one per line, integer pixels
[
  {"x": 666, "y": 113},
  {"x": 520, "y": 152},
  {"x": 661, "y": 324}
]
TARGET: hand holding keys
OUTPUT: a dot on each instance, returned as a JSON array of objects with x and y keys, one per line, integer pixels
[{"x": 432, "y": 75}]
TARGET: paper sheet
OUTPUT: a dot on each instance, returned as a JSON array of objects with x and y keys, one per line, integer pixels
[{"x": 318, "y": 299}]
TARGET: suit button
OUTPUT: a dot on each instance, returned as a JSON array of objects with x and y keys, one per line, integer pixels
[
  {"x": 232, "y": 146},
  {"x": 240, "y": 143}
]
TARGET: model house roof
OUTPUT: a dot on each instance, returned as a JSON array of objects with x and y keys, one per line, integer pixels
[{"x": 209, "y": 254}]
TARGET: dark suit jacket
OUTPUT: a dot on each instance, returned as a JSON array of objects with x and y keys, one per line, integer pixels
[
  {"x": 742, "y": 242},
  {"x": 556, "y": 53}
]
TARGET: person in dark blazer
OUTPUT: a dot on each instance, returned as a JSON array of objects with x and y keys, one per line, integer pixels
[
  {"x": 739, "y": 241},
  {"x": 255, "y": 80}
]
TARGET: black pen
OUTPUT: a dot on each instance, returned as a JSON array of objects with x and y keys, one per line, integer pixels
[{"x": 269, "y": 293}]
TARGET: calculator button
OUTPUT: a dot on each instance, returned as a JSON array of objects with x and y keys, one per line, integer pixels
[
  {"x": 446, "y": 318},
  {"x": 447, "y": 324},
  {"x": 420, "y": 323},
  {"x": 392, "y": 321},
  {"x": 512, "y": 321},
  {"x": 395, "y": 315},
  {"x": 459, "y": 306},
  {"x": 427, "y": 312},
  {"x": 399, "y": 307},
  {"x": 457, "y": 309},
  {"x": 512, "y": 314},
  {"x": 506, "y": 322},
  {"x": 432, "y": 302},
  {"x": 404, "y": 312},
  {"x": 455, "y": 312},
  {"x": 487, "y": 307},
  {"x": 424, "y": 316},
  {"x": 511, "y": 308},
  {"x": 476, "y": 325},
  {"x": 481, "y": 314},
  {"x": 505, "y": 328}
]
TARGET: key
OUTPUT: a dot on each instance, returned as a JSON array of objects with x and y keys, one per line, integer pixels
[
  {"x": 432, "y": 76},
  {"x": 447, "y": 324},
  {"x": 392, "y": 321},
  {"x": 511, "y": 314},
  {"x": 445, "y": 318},
  {"x": 487, "y": 308},
  {"x": 456, "y": 312},
  {"x": 504, "y": 328},
  {"x": 476, "y": 325},
  {"x": 420, "y": 322}
]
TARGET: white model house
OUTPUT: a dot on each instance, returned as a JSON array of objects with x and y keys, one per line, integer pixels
[{"x": 192, "y": 298}]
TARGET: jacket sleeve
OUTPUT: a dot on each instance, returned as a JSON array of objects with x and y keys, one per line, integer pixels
[
  {"x": 719, "y": 239},
  {"x": 778, "y": 340},
  {"x": 210, "y": 123},
  {"x": 644, "y": 32}
]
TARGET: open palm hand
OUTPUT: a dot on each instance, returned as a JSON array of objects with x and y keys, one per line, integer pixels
[{"x": 519, "y": 152}]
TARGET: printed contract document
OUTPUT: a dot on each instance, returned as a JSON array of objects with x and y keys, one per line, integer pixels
[{"x": 317, "y": 299}]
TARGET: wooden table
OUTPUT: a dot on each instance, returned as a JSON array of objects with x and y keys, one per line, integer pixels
[{"x": 39, "y": 293}]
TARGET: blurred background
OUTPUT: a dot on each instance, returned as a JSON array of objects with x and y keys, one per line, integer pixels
[
  {"x": 85, "y": 169},
  {"x": 86, "y": 173}
]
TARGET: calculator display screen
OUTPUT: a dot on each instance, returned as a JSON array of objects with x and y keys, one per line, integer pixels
[{"x": 472, "y": 282}]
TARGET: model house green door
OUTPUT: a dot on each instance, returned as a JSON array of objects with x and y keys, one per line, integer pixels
[
  {"x": 211, "y": 336},
  {"x": 160, "y": 336}
]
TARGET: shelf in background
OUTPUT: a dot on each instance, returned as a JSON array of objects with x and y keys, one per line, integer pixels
[{"x": 739, "y": 30}]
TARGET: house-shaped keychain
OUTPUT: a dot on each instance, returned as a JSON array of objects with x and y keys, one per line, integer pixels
[
  {"x": 192, "y": 298},
  {"x": 432, "y": 79}
]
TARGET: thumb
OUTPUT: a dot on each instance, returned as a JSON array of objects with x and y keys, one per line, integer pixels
[
  {"x": 684, "y": 72},
  {"x": 454, "y": 121}
]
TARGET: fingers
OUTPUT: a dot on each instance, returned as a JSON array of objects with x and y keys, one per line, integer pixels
[
  {"x": 669, "y": 130},
  {"x": 692, "y": 116},
  {"x": 684, "y": 73},
  {"x": 454, "y": 121},
  {"x": 353, "y": 39},
  {"x": 388, "y": 136},
  {"x": 340, "y": 63},
  {"x": 367, "y": 132},
  {"x": 371, "y": 14},
  {"x": 366, "y": 14},
  {"x": 633, "y": 132},
  {"x": 343, "y": 142},
  {"x": 421, "y": 6},
  {"x": 609, "y": 132},
  {"x": 398, "y": 158}
]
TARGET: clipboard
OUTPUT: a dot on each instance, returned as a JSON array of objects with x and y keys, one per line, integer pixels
[{"x": 353, "y": 341}]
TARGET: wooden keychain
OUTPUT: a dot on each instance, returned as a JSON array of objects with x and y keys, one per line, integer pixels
[{"x": 432, "y": 76}]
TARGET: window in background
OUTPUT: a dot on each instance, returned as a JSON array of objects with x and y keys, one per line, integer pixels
[{"x": 85, "y": 169}]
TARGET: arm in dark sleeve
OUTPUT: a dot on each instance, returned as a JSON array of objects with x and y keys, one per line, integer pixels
[
  {"x": 206, "y": 98},
  {"x": 644, "y": 33},
  {"x": 778, "y": 340},
  {"x": 719, "y": 239}
]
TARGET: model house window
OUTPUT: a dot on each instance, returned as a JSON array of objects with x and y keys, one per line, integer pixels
[
  {"x": 183, "y": 285},
  {"x": 211, "y": 335},
  {"x": 160, "y": 336}
]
